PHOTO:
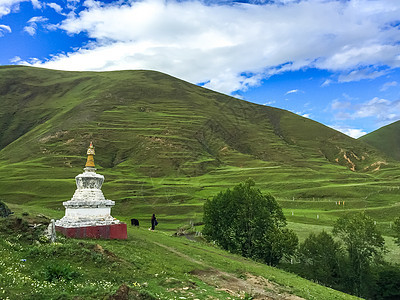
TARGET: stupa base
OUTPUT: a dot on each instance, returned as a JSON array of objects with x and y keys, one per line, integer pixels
[{"x": 108, "y": 232}]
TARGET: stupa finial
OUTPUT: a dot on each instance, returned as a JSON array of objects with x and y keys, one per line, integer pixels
[{"x": 90, "y": 158}]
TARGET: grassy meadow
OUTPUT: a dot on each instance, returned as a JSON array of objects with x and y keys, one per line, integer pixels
[
  {"x": 310, "y": 204},
  {"x": 154, "y": 265}
]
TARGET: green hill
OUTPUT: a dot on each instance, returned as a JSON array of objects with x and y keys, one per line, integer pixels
[
  {"x": 165, "y": 145},
  {"x": 386, "y": 139},
  {"x": 156, "y": 124}
]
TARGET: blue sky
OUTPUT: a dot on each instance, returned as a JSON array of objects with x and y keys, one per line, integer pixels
[{"x": 334, "y": 61}]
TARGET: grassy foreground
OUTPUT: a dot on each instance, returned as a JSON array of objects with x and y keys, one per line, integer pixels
[{"x": 149, "y": 265}]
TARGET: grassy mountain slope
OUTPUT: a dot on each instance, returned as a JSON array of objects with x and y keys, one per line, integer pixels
[
  {"x": 153, "y": 265},
  {"x": 386, "y": 139},
  {"x": 158, "y": 120},
  {"x": 165, "y": 145}
]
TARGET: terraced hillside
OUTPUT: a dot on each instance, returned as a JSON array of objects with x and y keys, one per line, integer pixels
[
  {"x": 386, "y": 139},
  {"x": 165, "y": 145}
]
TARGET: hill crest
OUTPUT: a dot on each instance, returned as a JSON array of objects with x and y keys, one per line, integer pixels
[
  {"x": 162, "y": 112},
  {"x": 148, "y": 124},
  {"x": 386, "y": 139}
]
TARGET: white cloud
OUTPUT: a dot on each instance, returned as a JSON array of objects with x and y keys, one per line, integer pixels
[
  {"x": 348, "y": 97},
  {"x": 56, "y": 7},
  {"x": 32, "y": 24},
  {"x": 36, "y": 4},
  {"x": 353, "y": 132},
  {"x": 357, "y": 75},
  {"x": 339, "y": 105},
  {"x": 292, "y": 92},
  {"x": 8, "y": 6},
  {"x": 383, "y": 111},
  {"x": 15, "y": 59},
  {"x": 327, "y": 82},
  {"x": 72, "y": 4},
  {"x": 301, "y": 113},
  {"x": 4, "y": 29},
  {"x": 229, "y": 82},
  {"x": 235, "y": 46},
  {"x": 31, "y": 30},
  {"x": 50, "y": 27},
  {"x": 360, "y": 73},
  {"x": 388, "y": 85},
  {"x": 269, "y": 102},
  {"x": 364, "y": 55}
]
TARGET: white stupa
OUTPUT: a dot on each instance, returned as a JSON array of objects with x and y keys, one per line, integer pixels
[{"x": 88, "y": 208}]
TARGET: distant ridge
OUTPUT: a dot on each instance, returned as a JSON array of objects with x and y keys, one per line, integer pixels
[
  {"x": 151, "y": 125},
  {"x": 386, "y": 139},
  {"x": 131, "y": 113}
]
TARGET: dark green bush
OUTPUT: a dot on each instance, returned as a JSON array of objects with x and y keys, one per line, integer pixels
[
  {"x": 4, "y": 210},
  {"x": 59, "y": 271}
]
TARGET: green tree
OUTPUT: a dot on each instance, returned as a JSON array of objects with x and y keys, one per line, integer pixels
[
  {"x": 388, "y": 283},
  {"x": 364, "y": 246},
  {"x": 245, "y": 221},
  {"x": 321, "y": 255},
  {"x": 397, "y": 231}
]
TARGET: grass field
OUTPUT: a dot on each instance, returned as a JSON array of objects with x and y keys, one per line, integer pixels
[{"x": 155, "y": 265}]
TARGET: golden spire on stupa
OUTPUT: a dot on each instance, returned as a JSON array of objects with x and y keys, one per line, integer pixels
[{"x": 90, "y": 158}]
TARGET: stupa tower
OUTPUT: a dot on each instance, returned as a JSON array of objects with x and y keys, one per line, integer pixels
[{"x": 88, "y": 213}]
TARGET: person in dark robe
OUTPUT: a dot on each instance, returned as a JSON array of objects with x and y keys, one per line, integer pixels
[{"x": 153, "y": 222}]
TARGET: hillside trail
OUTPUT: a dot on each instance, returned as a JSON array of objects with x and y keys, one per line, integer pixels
[{"x": 258, "y": 287}]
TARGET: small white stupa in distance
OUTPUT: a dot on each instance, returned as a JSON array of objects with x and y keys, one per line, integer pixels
[{"x": 88, "y": 213}]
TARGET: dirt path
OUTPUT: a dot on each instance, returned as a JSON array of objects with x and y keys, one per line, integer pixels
[{"x": 256, "y": 286}]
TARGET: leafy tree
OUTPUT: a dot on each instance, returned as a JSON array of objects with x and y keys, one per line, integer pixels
[
  {"x": 321, "y": 255},
  {"x": 245, "y": 221},
  {"x": 397, "y": 231},
  {"x": 365, "y": 246}
]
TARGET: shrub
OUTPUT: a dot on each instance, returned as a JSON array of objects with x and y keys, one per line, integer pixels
[
  {"x": 4, "y": 210},
  {"x": 59, "y": 271}
]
